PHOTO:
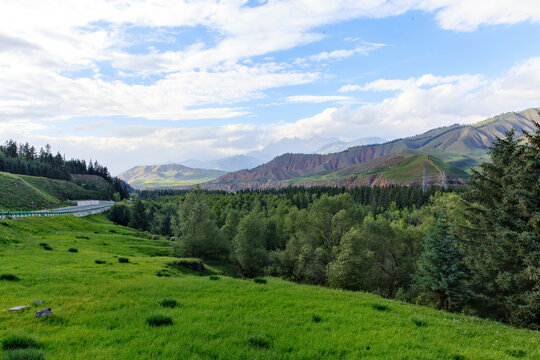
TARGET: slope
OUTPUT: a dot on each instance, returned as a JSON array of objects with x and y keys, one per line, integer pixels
[
  {"x": 18, "y": 191},
  {"x": 167, "y": 176},
  {"x": 462, "y": 146},
  {"x": 100, "y": 309}
]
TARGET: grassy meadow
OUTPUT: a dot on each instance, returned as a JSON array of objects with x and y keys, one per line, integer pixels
[{"x": 107, "y": 307}]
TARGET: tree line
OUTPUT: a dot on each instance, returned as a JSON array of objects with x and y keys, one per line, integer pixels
[
  {"x": 25, "y": 159},
  {"x": 476, "y": 250}
]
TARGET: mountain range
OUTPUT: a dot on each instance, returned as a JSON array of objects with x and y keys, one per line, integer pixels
[
  {"x": 314, "y": 145},
  {"x": 446, "y": 153},
  {"x": 167, "y": 176}
]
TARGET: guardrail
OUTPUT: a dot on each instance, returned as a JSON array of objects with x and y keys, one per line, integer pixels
[{"x": 79, "y": 211}]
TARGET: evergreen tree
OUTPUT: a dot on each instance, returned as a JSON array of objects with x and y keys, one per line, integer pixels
[
  {"x": 502, "y": 238},
  {"x": 442, "y": 272},
  {"x": 139, "y": 216}
]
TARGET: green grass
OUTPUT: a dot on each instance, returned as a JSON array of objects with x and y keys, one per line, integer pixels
[
  {"x": 24, "y": 354},
  {"x": 101, "y": 310},
  {"x": 18, "y": 341},
  {"x": 18, "y": 191},
  {"x": 159, "y": 320}
]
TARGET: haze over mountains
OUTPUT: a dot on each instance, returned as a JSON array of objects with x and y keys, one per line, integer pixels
[
  {"x": 448, "y": 151},
  {"x": 314, "y": 145}
]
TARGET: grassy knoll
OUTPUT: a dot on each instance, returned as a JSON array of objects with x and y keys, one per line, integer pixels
[
  {"x": 115, "y": 310},
  {"x": 18, "y": 191}
]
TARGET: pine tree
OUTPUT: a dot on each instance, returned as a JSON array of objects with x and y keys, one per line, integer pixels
[
  {"x": 503, "y": 238},
  {"x": 442, "y": 272}
]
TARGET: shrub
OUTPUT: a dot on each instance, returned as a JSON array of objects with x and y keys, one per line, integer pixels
[
  {"x": 419, "y": 321},
  {"x": 168, "y": 302},
  {"x": 213, "y": 277},
  {"x": 24, "y": 354},
  {"x": 380, "y": 307},
  {"x": 43, "y": 244},
  {"x": 16, "y": 341},
  {"x": 163, "y": 273},
  {"x": 100, "y": 261},
  {"x": 159, "y": 320},
  {"x": 82, "y": 237},
  {"x": 47, "y": 247},
  {"x": 316, "y": 318},
  {"x": 73, "y": 250},
  {"x": 123, "y": 260},
  {"x": 259, "y": 341},
  {"x": 259, "y": 280},
  {"x": 9, "y": 277}
]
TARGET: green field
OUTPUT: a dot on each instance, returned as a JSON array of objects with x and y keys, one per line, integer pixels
[
  {"x": 18, "y": 191},
  {"x": 101, "y": 310}
]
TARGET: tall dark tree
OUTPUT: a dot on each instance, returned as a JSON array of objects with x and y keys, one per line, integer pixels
[
  {"x": 442, "y": 272},
  {"x": 503, "y": 236}
]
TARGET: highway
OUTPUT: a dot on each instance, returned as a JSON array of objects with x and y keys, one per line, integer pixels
[{"x": 83, "y": 210}]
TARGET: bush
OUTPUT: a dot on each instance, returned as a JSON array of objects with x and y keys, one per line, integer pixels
[
  {"x": 43, "y": 244},
  {"x": 14, "y": 342},
  {"x": 518, "y": 353},
  {"x": 100, "y": 261},
  {"x": 168, "y": 302},
  {"x": 9, "y": 277},
  {"x": 259, "y": 341},
  {"x": 316, "y": 318},
  {"x": 73, "y": 250},
  {"x": 259, "y": 280},
  {"x": 24, "y": 354},
  {"x": 213, "y": 277},
  {"x": 82, "y": 237},
  {"x": 380, "y": 307},
  {"x": 159, "y": 320},
  {"x": 419, "y": 321},
  {"x": 123, "y": 260},
  {"x": 47, "y": 247}
]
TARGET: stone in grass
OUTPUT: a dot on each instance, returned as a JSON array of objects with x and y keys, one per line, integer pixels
[
  {"x": 43, "y": 313},
  {"x": 18, "y": 308}
]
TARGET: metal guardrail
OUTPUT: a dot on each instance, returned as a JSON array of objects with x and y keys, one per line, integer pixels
[{"x": 73, "y": 210}]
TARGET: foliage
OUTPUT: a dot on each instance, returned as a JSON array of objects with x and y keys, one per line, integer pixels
[
  {"x": 442, "y": 271},
  {"x": 249, "y": 248},
  {"x": 198, "y": 235},
  {"x": 168, "y": 302},
  {"x": 502, "y": 232},
  {"x": 9, "y": 277},
  {"x": 24, "y": 354},
  {"x": 18, "y": 341}
]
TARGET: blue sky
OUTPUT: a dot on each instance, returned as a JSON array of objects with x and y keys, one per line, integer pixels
[{"x": 145, "y": 82}]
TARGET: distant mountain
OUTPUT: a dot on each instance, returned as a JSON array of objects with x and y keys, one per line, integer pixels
[
  {"x": 342, "y": 145},
  {"x": 292, "y": 145},
  {"x": 231, "y": 163},
  {"x": 458, "y": 146},
  {"x": 167, "y": 176},
  {"x": 258, "y": 157}
]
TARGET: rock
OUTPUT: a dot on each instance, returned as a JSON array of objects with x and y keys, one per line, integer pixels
[
  {"x": 38, "y": 301},
  {"x": 18, "y": 308},
  {"x": 43, "y": 312}
]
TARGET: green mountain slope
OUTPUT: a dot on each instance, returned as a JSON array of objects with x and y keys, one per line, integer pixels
[
  {"x": 18, "y": 191},
  {"x": 100, "y": 310},
  {"x": 462, "y": 146},
  {"x": 166, "y": 176}
]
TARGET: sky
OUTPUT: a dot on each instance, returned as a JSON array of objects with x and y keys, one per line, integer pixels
[{"x": 146, "y": 82}]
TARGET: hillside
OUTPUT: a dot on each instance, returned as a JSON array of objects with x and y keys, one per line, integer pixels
[
  {"x": 100, "y": 310},
  {"x": 167, "y": 176},
  {"x": 18, "y": 191},
  {"x": 462, "y": 146}
]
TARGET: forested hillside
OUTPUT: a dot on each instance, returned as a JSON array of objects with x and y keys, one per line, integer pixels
[{"x": 48, "y": 180}]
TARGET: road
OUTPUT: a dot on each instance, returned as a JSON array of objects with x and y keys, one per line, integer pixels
[{"x": 79, "y": 211}]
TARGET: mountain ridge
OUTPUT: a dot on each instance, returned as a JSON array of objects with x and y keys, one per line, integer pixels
[{"x": 461, "y": 146}]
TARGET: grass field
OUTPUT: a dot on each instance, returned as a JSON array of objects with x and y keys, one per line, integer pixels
[
  {"x": 113, "y": 309},
  {"x": 18, "y": 191}
]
